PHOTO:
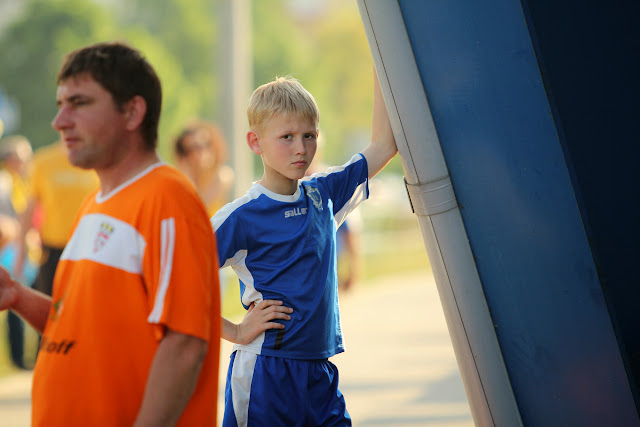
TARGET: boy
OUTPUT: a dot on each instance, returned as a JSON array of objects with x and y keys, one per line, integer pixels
[{"x": 280, "y": 240}]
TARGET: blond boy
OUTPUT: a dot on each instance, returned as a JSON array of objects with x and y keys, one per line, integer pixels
[{"x": 280, "y": 240}]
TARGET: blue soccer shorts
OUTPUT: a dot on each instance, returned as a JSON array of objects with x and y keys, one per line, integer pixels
[{"x": 273, "y": 391}]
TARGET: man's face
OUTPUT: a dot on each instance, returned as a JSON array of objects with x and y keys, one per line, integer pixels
[
  {"x": 288, "y": 144},
  {"x": 89, "y": 123}
]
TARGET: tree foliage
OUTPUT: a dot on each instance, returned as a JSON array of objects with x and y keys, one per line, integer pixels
[
  {"x": 342, "y": 81},
  {"x": 326, "y": 49},
  {"x": 32, "y": 48}
]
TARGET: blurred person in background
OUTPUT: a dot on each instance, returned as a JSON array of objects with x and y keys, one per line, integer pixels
[
  {"x": 349, "y": 251},
  {"x": 200, "y": 153},
  {"x": 56, "y": 191},
  {"x": 15, "y": 156},
  {"x": 8, "y": 223}
]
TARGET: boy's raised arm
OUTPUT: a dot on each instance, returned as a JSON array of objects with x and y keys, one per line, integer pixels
[{"x": 383, "y": 144}]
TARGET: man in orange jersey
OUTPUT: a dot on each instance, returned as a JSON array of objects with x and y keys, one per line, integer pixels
[{"x": 131, "y": 334}]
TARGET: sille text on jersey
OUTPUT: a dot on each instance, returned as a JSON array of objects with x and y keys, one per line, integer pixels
[{"x": 295, "y": 212}]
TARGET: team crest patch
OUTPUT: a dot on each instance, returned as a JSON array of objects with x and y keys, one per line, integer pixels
[
  {"x": 315, "y": 196},
  {"x": 106, "y": 230},
  {"x": 57, "y": 308}
]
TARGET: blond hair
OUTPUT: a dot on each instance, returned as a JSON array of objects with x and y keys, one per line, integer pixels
[{"x": 284, "y": 95}]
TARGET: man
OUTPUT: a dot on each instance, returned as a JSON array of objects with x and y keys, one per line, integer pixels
[{"x": 131, "y": 334}]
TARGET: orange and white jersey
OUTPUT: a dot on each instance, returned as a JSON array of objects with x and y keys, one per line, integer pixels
[{"x": 140, "y": 260}]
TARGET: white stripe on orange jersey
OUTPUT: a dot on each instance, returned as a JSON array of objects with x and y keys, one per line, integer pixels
[
  {"x": 115, "y": 243},
  {"x": 168, "y": 241}
]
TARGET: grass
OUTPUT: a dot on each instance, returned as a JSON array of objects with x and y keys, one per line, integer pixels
[{"x": 385, "y": 253}]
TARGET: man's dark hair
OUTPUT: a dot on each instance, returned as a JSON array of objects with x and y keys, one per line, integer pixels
[{"x": 124, "y": 73}]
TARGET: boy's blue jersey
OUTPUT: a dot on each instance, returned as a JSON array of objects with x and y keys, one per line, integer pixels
[{"x": 284, "y": 248}]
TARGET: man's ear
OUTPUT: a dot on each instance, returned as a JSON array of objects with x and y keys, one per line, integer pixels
[
  {"x": 254, "y": 142},
  {"x": 135, "y": 110}
]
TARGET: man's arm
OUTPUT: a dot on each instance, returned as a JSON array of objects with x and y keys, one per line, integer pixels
[
  {"x": 31, "y": 305},
  {"x": 383, "y": 145},
  {"x": 172, "y": 379},
  {"x": 258, "y": 319}
]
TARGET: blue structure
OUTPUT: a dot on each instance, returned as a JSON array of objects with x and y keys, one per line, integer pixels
[{"x": 531, "y": 119}]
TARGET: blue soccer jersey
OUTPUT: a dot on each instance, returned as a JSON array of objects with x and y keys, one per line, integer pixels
[{"x": 283, "y": 247}]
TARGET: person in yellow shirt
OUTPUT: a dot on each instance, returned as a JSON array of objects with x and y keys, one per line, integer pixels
[
  {"x": 15, "y": 157},
  {"x": 56, "y": 189}
]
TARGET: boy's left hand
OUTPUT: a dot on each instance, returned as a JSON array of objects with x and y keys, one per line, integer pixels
[{"x": 259, "y": 318}]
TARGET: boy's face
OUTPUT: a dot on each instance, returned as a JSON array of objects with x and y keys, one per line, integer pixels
[{"x": 287, "y": 144}]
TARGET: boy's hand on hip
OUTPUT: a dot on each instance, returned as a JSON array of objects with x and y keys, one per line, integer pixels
[{"x": 259, "y": 318}]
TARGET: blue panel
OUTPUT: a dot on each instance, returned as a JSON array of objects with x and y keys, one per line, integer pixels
[
  {"x": 588, "y": 51},
  {"x": 508, "y": 169}
]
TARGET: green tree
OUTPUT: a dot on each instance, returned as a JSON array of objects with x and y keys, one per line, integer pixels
[
  {"x": 342, "y": 81},
  {"x": 279, "y": 44},
  {"x": 187, "y": 30},
  {"x": 327, "y": 50},
  {"x": 35, "y": 43},
  {"x": 32, "y": 48}
]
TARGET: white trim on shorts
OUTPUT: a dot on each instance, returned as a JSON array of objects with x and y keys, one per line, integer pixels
[{"x": 241, "y": 377}]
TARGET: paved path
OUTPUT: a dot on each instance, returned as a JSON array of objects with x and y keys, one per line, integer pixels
[{"x": 398, "y": 370}]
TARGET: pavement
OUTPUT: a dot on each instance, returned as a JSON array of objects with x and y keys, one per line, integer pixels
[{"x": 399, "y": 369}]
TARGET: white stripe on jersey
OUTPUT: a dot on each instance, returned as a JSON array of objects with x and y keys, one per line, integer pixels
[
  {"x": 115, "y": 243},
  {"x": 167, "y": 246},
  {"x": 359, "y": 195},
  {"x": 223, "y": 213},
  {"x": 239, "y": 265},
  {"x": 334, "y": 169},
  {"x": 250, "y": 295}
]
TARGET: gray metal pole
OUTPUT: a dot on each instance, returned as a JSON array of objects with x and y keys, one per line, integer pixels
[{"x": 236, "y": 65}]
